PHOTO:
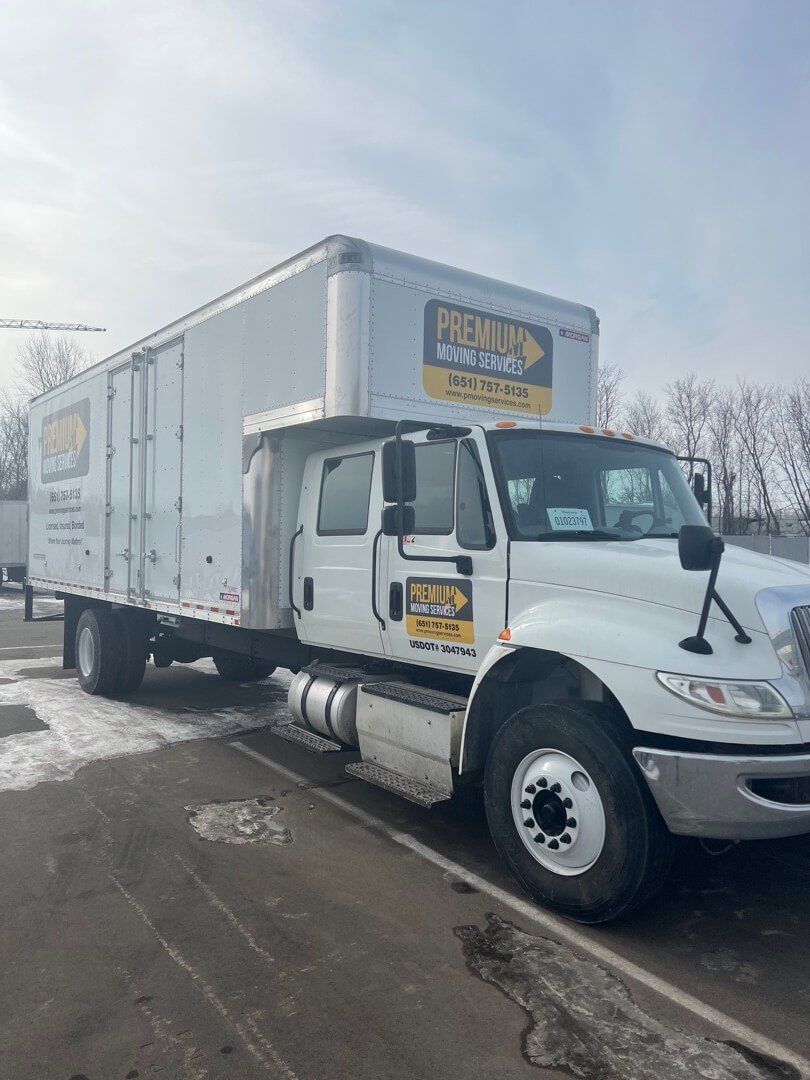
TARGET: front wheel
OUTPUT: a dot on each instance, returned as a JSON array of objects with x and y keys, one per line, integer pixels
[{"x": 569, "y": 815}]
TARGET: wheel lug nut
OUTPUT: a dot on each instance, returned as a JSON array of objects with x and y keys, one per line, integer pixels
[
  {"x": 525, "y": 805},
  {"x": 555, "y": 788},
  {"x": 539, "y": 839},
  {"x": 542, "y": 782},
  {"x": 571, "y": 823},
  {"x": 565, "y": 838},
  {"x": 531, "y": 789},
  {"x": 553, "y": 844},
  {"x": 567, "y": 804},
  {"x": 529, "y": 823}
]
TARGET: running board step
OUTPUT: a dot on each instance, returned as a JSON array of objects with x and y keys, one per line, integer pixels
[
  {"x": 301, "y": 737},
  {"x": 418, "y": 697},
  {"x": 408, "y": 788}
]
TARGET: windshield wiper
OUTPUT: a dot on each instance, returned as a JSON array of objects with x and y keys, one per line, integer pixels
[{"x": 582, "y": 534}]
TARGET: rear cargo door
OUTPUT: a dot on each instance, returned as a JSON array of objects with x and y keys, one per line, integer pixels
[
  {"x": 161, "y": 483},
  {"x": 118, "y": 546}
]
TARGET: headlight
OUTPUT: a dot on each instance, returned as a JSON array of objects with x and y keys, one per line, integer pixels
[{"x": 757, "y": 700}]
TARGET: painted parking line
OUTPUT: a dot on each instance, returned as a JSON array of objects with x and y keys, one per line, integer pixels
[
  {"x": 732, "y": 1028},
  {"x": 31, "y": 648}
]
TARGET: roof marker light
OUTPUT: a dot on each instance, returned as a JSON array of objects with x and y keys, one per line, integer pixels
[
  {"x": 506, "y": 423},
  {"x": 627, "y": 435},
  {"x": 588, "y": 430},
  {"x": 505, "y": 634},
  {"x": 608, "y": 431}
]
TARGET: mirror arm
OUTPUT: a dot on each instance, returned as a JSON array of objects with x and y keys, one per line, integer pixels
[{"x": 698, "y": 643}]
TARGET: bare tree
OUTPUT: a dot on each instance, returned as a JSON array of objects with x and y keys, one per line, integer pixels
[
  {"x": 645, "y": 417},
  {"x": 45, "y": 361},
  {"x": 724, "y": 454},
  {"x": 689, "y": 403},
  {"x": 755, "y": 427},
  {"x": 13, "y": 446},
  {"x": 792, "y": 420},
  {"x": 609, "y": 395}
]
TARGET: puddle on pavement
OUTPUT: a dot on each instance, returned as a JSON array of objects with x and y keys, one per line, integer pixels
[
  {"x": 583, "y": 1019},
  {"x": 17, "y": 719},
  {"x": 242, "y": 821}
]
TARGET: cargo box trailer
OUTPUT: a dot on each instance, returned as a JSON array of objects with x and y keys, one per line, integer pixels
[{"x": 383, "y": 474}]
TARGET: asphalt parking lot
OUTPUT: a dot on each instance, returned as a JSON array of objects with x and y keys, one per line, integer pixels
[{"x": 185, "y": 894}]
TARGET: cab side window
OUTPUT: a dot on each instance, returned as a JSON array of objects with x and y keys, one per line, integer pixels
[
  {"x": 435, "y": 471},
  {"x": 474, "y": 527},
  {"x": 345, "y": 494}
]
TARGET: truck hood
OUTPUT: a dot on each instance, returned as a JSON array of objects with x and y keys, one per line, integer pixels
[{"x": 651, "y": 570}]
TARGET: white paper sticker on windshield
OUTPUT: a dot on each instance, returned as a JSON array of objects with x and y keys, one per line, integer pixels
[{"x": 566, "y": 518}]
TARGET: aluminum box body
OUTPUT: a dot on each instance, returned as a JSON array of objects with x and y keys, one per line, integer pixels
[
  {"x": 168, "y": 475},
  {"x": 13, "y": 532}
]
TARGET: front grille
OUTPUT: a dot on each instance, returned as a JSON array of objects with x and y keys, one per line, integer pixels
[
  {"x": 790, "y": 790},
  {"x": 800, "y": 617}
]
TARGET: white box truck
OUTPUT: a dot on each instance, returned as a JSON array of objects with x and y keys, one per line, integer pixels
[
  {"x": 13, "y": 538},
  {"x": 382, "y": 473}
]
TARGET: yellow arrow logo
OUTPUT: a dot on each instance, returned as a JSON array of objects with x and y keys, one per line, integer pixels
[
  {"x": 459, "y": 599},
  {"x": 532, "y": 350},
  {"x": 80, "y": 434}
]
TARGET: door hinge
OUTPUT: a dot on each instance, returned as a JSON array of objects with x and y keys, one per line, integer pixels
[
  {"x": 151, "y": 555},
  {"x": 108, "y": 509},
  {"x": 110, "y": 391},
  {"x": 110, "y": 451},
  {"x": 176, "y": 581},
  {"x": 179, "y": 432},
  {"x": 180, "y": 360},
  {"x": 178, "y": 504}
]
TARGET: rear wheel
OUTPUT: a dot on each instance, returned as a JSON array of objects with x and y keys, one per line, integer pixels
[
  {"x": 236, "y": 667},
  {"x": 133, "y": 638},
  {"x": 569, "y": 815},
  {"x": 98, "y": 651}
]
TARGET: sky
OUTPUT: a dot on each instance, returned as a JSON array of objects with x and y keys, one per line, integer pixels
[{"x": 649, "y": 159}]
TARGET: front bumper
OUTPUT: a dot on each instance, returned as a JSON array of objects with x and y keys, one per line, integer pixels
[{"x": 710, "y": 795}]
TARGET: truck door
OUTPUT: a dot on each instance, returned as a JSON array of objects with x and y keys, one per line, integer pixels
[
  {"x": 434, "y": 614},
  {"x": 161, "y": 480},
  {"x": 337, "y": 553},
  {"x": 119, "y": 474}
]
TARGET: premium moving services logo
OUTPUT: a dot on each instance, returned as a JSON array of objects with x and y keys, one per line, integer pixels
[
  {"x": 66, "y": 443},
  {"x": 476, "y": 358},
  {"x": 440, "y": 608}
]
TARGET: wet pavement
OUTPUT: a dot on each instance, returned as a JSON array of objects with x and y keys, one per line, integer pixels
[{"x": 185, "y": 894}]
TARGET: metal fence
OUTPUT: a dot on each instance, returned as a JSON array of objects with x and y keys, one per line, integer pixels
[{"x": 784, "y": 547}]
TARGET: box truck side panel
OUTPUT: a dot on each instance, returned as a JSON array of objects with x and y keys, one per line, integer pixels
[
  {"x": 13, "y": 532},
  {"x": 68, "y": 483},
  {"x": 212, "y": 460}
]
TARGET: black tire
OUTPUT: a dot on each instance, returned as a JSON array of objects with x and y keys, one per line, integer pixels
[
  {"x": 236, "y": 667},
  {"x": 133, "y": 637},
  {"x": 637, "y": 850},
  {"x": 98, "y": 660}
]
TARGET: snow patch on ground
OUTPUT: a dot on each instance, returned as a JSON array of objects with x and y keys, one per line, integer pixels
[
  {"x": 242, "y": 821},
  {"x": 583, "y": 1019},
  {"x": 85, "y": 728}
]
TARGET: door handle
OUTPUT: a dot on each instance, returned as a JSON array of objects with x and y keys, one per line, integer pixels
[
  {"x": 291, "y": 578},
  {"x": 395, "y": 601},
  {"x": 309, "y": 594},
  {"x": 376, "y": 613}
]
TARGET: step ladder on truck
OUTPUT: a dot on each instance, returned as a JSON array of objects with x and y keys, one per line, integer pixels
[{"x": 382, "y": 473}]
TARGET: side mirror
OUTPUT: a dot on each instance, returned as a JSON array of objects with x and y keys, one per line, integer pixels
[
  {"x": 699, "y": 488},
  {"x": 697, "y": 547},
  {"x": 394, "y": 471},
  {"x": 390, "y": 520}
]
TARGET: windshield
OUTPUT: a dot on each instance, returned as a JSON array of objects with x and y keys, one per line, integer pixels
[{"x": 556, "y": 486}]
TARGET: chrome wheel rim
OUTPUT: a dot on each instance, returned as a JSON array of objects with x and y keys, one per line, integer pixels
[
  {"x": 86, "y": 651},
  {"x": 558, "y": 812}
]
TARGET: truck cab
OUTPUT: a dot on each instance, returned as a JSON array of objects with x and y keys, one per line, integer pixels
[{"x": 538, "y": 582}]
